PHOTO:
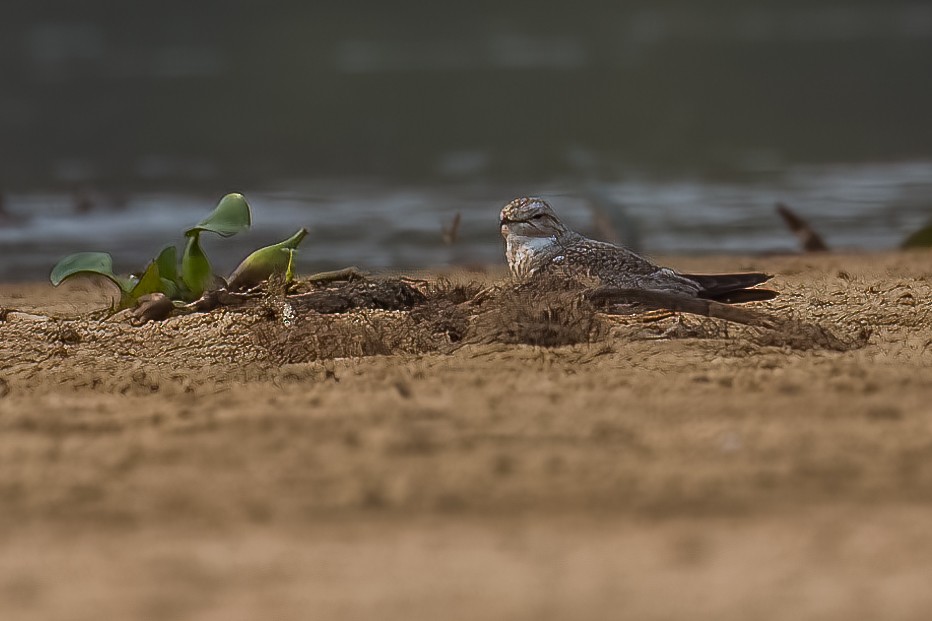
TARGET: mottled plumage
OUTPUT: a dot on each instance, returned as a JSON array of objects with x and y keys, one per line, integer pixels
[{"x": 537, "y": 243}]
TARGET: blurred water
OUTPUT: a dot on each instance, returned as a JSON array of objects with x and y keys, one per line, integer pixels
[
  {"x": 383, "y": 226},
  {"x": 164, "y": 95}
]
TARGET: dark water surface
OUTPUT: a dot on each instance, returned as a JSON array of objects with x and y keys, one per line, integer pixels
[{"x": 241, "y": 92}]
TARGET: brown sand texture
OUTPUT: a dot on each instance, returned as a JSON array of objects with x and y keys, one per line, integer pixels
[{"x": 474, "y": 461}]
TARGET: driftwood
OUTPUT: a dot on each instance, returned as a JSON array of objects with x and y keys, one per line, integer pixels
[
  {"x": 394, "y": 294},
  {"x": 346, "y": 274},
  {"x": 779, "y": 331},
  {"x": 398, "y": 294},
  {"x": 607, "y": 296},
  {"x": 389, "y": 294}
]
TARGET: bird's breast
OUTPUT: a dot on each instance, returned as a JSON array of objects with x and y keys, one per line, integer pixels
[{"x": 526, "y": 255}]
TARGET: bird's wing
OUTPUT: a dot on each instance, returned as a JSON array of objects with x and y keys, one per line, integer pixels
[
  {"x": 606, "y": 259},
  {"x": 615, "y": 266}
]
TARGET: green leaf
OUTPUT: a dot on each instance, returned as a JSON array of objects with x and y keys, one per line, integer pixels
[
  {"x": 196, "y": 272},
  {"x": 229, "y": 217},
  {"x": 149, "y": 282},
  {"x": 294, "y": 241},
  {"x": 168, "y": 264},
  {"x": 94, "y": 263},
  {"x": 170, "y": 288},
  {"x": 258, "y": 266},
  {"x": 920, "y": 239}
]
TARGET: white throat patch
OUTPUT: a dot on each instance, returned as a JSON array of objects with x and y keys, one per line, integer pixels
[
  {"x": 523, "y": 253},
  {"x": 535, "y": 244}
]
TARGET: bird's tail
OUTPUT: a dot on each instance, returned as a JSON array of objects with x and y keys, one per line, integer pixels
[{"x": 732, "y": 288}]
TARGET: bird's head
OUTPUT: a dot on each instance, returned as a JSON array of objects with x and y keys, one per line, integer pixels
[{"x": 530, "y": 217}]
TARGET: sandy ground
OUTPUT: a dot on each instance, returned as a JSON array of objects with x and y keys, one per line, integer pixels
[{"x": 686, "y": 469}]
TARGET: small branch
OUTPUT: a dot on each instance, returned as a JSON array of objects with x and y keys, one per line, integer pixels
[
  {"x": 449, "y": 233},
  {"x": 808, "y": 238}
]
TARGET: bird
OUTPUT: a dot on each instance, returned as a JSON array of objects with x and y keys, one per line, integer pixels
[{"x": 538, "y": 243}]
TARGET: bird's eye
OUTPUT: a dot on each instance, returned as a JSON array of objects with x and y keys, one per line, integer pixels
[{"x": 537, "y": 216}]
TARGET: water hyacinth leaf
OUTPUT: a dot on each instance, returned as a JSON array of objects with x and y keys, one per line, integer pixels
[
  {"x": 292, "y": 242},
  {"x": 264, "y": 262},
  {"x": 168, "y": 264},
  {"x": 170, "y": 288},
  {"x": 920, "y": 239},
  {"x": 149, "y": 282},
  {"x": 229, "y": 217},
  {"x": 93, "y": 263},
  {"x": 196, "y": 272}
]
